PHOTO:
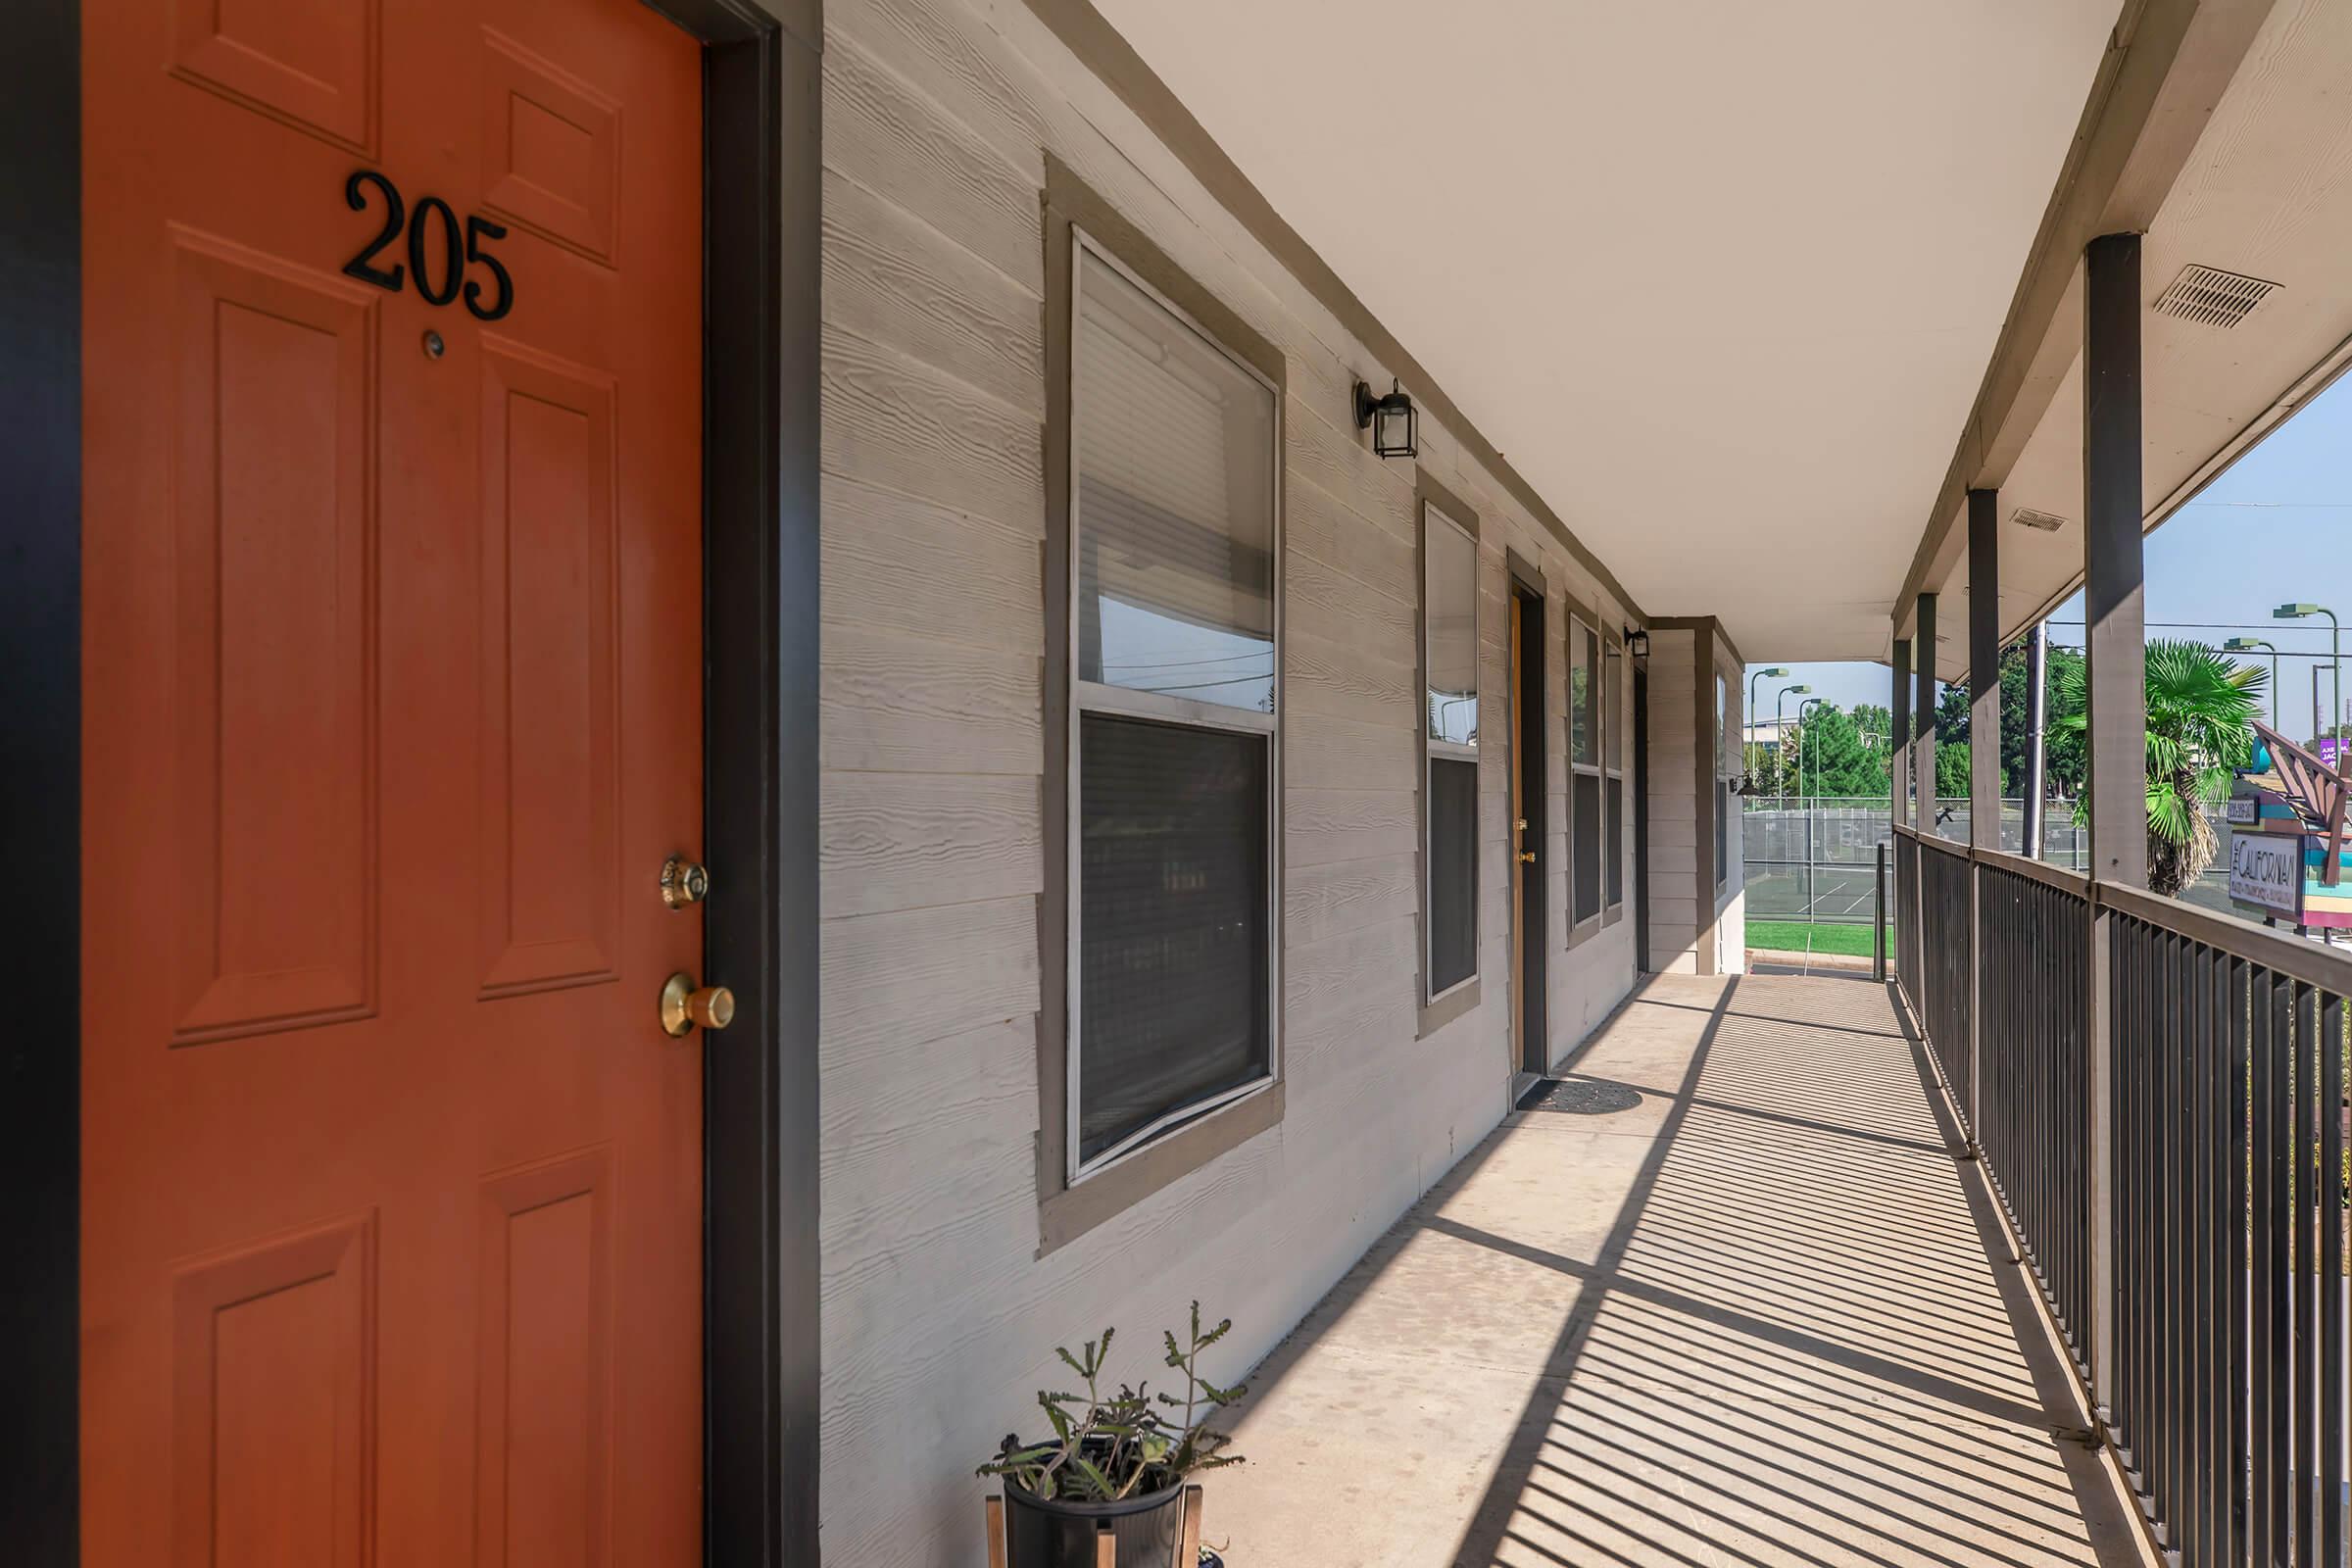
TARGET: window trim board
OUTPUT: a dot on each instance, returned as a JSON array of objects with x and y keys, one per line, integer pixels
[
  {"x": 1071, "y": 1200},
  {"x": 1435, "y": 1012},
  {"x": 1592, "y": 925}
]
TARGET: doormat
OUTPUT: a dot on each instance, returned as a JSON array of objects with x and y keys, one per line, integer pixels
[{"x": 1579, "y": 1096}]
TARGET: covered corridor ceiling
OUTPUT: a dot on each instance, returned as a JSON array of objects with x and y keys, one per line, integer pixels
[{"x": 1721, "y": 279}]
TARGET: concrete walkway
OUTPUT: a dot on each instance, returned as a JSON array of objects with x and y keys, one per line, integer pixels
[{"x": 1732, "y": 1303}]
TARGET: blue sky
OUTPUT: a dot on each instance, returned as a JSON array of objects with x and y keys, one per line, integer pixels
[{"x": 2293, "y": 493}]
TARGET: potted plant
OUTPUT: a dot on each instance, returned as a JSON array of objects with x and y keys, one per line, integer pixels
[{"x": 1117, "y": 1458}]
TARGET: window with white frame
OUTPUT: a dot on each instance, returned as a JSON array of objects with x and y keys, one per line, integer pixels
[
  {"x": 1173, "y": 730},
  {"x": 1584, "y": 717},
  {"x": 1449, "y": 752},
  {"x": 1612, "y": 747}
]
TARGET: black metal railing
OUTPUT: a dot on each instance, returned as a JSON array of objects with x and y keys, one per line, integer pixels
[
  {"x": 2229, "y": 1391},
  {"x": 2159, "y": 1100},
  {"x": 1947, "y": 965},
  {"x": 2033, "y": 1072},
  {"x": 1906, "y": 917}
]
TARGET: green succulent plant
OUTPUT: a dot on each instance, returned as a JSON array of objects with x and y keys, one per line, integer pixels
[{"x": 1107, "y": 1446}]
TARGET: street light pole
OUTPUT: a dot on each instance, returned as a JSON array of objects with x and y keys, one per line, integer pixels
[
  {"x": 1780, "y": 736},
  {"x": 2246, "y": 645},
  {"x": 1804, "y": 740},
  {"x": 1776, "y": 672},
  {"x": 2335, "y": 678}
]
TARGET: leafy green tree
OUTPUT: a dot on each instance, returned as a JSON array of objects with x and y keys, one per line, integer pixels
[
  {"x": 1951, "y": 769},
  {"x": 1834, "y": 758},
  {"x": 2199, "y": 706},
  {"x": 2063, "y": 766},
  {"x": 2062, "y": 751}
]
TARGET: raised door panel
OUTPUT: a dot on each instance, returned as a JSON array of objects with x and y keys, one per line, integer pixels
[
  {"x": 274, "y": 1402},
  {"x": 311, "y": 63},
  {"x": 549, "y": 808},
  {"x": 274, "y": 755},
  {"x": 550, "y": 149},
  {"x": 546, "y": 1365}
]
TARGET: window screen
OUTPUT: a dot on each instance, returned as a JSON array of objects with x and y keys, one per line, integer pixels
[
  {"x": 1450, "y": 751},
  {"x": 1173, "y": 984},
  {"x": 1175, "y": 662},
  {"x": 1586, "y": 809},
  {"x": 1584, "y": 766},
  {"x": 1612, "y": 749},
  {"x": 1452, "y": 873},
  {"x": 1616, "y": 840}
]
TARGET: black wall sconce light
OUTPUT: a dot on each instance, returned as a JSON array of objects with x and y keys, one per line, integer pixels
[
  {"x": 1394, "y": 422},
  {"x": 1636, "y": 642}
]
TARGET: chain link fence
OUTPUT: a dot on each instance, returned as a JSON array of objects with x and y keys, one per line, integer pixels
[{"x": 1815, "y": 858}]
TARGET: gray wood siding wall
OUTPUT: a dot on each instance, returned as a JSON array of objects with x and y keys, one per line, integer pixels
[
  {"x": 940, "y": 1319},
  {"x": 1674, "y": 848},
  {"x": 1730, "y": 899}
]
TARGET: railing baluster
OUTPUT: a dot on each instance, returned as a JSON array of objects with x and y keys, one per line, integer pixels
[
  {"x": 2328, "y": 1206},
  {"x": 2234, "y": 1209},
  {"x": 2170, "y": 1252},
  {"x": 2263, "y": 1447},
  {"x": 2307, "y": 1278},
  {"x": 2134, "y": 1182}
]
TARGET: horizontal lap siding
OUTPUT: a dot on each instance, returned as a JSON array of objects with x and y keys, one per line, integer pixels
[
  {"x": 1675, "y": 853},
  {"x": 940, "y": 1319}
]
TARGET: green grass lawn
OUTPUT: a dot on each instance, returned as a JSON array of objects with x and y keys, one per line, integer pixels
[{"x": 1797, "y": 936}]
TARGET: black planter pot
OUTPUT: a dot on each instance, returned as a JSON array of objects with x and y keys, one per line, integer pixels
[{"x": 1050, "y": 1532}]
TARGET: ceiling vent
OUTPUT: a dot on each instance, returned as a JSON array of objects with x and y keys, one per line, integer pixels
[
  {"x": 2211, "y": 297},
  {"x": 2046, "y": 521}
]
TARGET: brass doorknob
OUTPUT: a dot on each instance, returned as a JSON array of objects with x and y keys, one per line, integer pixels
[
  {"x": 683, "y": 882},
  {"x": 1528, "y": 856},
  {"x": 685, "y": 1004}
]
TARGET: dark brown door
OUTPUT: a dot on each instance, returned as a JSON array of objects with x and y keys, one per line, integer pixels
[
  {"x": 1530, "y": 883},
  {"x": 392, "y": 1190}
]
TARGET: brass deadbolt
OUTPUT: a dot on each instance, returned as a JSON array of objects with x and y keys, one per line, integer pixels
[
  {"x": 684, "y": 1005},
  {"x": 683, "y": 882}
]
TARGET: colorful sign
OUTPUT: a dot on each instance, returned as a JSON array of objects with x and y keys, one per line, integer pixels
[{"x": 2266, "y": 870}]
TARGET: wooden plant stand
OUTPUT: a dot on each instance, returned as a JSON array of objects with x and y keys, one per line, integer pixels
[{"x": 1107, "y": 1547}]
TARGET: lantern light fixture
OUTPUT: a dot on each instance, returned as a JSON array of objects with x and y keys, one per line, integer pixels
[
  {"x": 1394, "y": 422},
  {"x": 1636, "y": 642}
]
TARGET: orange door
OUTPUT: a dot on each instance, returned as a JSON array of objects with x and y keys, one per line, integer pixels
[{"x": 392, "y": 1185}]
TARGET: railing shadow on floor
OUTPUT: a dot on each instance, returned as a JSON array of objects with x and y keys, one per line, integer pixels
[{"x": 1799, "y": 1340}]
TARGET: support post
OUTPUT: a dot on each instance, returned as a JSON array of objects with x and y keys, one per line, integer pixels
[
  {"x": 1923, "y": 776},
  {"x": 1984, "y": 753},
  {"x": 2116, "y": 704},
  {"x": 2038, "y": 719},
  {"x": 1899, "y": 740},
  {"x": 1922, "y": 710},
  {"x": 1984, "y": 669},
  {"x": 2114, "y": 615}
]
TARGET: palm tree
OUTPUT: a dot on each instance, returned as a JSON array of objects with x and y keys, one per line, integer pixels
[{"x": 2199, "y": 706}]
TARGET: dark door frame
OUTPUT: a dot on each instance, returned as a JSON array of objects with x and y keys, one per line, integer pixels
[
  {"x": 762, "y": 113},
  {"x": 1531, "y": 763}
]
